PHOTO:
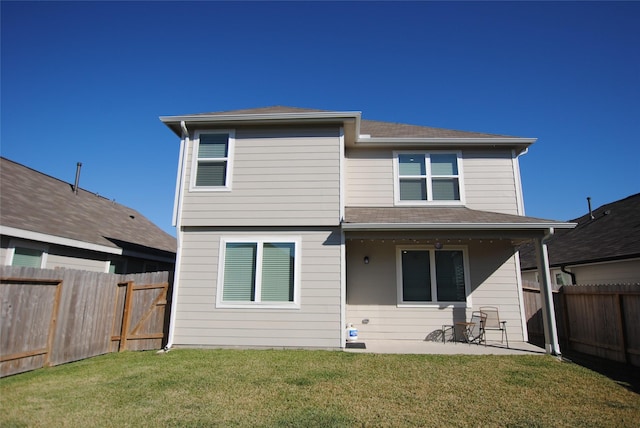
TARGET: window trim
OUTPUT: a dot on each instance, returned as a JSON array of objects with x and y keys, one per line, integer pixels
[
  {"x": 260, "y": 241},
  {"x": 429, "y": 178},
  {"x": 434, "y": 286},
  {"x": 229, "y": 159},
  {"x": 13, "y": 243}
]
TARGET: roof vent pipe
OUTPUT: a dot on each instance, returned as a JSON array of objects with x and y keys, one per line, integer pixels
[
  {"x": 75, "y": 186},
  {"x": 590, "y": 212}
]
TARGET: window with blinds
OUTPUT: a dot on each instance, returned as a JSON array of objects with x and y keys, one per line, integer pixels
[
  {"x": 258, "y": 272},
  {"x": 213, "y": 156},
  {"x": 27, "y": 257},
  {"x": 431, "y": 276},
  {"x": 423, "y": 178}
]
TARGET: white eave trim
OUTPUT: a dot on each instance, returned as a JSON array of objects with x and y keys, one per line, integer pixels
[
  {"x": 508, "y": 141},
  {"x": 457, "y": 226},
  {"x": 207, "y": 118},
  {"x": 52, "y": 239}
]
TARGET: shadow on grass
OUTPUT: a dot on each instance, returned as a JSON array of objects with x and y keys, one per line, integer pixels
[{"x": 624, "y": 375}]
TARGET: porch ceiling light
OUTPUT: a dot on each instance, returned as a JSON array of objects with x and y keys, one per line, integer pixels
[{"x": 438, "y": 245}]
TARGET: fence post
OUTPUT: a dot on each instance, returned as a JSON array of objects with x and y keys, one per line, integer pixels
[
  {"x": 52, "y": 324},
  {"x": 621, "y": 325},
  {"x": 126, "y": 316},
  {"x": 565, "y": 318}
]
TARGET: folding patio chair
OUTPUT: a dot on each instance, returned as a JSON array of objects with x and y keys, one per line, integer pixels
[
  {"x": 472, "y": 331},
  {"x": 493, "y": 322}
]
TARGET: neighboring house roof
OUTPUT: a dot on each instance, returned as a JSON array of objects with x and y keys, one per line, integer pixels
[
  {"x": 35, "y": 202},
  {"x": 613, "y": 234}
]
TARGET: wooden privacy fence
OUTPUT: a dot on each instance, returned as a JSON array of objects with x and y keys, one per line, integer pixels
[
  {"x": 600, "y": 320},
  {"x": 51, "y": 317}
]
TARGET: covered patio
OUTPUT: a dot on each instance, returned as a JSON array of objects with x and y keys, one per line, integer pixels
[
  {"x": 456, "y": 260},
  {"x": 439, "y": 348}
]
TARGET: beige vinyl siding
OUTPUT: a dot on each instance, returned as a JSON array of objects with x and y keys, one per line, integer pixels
[
  {"x": 59, "y": 261},
  {"x": 369, "y": 178},
  {"x": 279, "y": 178},
  {"x": 4, "y": 243},
  {"x": 489, "y": 181},
  {"x": 372, "y": 292},
  {"x": 315, "y": 324},
  {"x": 615, "y": 272}
]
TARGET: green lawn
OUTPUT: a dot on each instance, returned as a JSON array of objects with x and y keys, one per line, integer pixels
[{"x": 314, "y": 388}]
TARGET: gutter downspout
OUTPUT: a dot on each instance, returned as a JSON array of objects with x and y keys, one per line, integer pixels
[
  {"x": 518, "y": 180},
  {"x": 563, "y": 269},
  {"x": 548, "y": 311},
  {"x": 177, "y": 221}
]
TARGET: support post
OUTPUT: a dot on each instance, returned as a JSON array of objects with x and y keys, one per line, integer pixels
[{"x": 548, "y": 312}]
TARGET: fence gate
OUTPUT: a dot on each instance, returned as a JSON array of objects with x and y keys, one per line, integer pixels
[
  {"x": 139, "y": 312},
  {"x": 30, "y": 305}
]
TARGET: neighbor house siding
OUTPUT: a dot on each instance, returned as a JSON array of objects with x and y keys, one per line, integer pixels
[
  {"x": 291, "y": 176},
  {"x": 372, "y": 292},
  {"x": 616, "y": 272},
  {"x": 55, "y": 260},
  {"x": 489, "y": 180},
  {"x": 315, "y": 324}
]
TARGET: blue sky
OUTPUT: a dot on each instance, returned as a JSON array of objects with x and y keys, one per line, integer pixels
[{"x": 87, "y": 81}]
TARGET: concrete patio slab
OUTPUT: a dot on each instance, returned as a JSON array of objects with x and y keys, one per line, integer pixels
[{"x": 449, "y": 348}]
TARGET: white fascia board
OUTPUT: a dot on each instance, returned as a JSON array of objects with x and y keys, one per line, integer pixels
[
  {"x": 332, "y": 115},
  {"x": 52, "y": 239},
  {"x": 457, "y": 226},
  {"x": 498, "y": 141}
]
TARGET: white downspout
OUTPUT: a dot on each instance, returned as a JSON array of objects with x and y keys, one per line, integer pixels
[
  {"x": 177, "y": 222},
  {"x": 518, "y": 179},
  {"x": 548, "y": 311},
  {"x": 343, "y": 260}
]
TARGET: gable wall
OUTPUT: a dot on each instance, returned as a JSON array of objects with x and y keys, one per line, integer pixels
[
  {"x": 291, "y": 176},
  {"x": 488, "y": 177}
]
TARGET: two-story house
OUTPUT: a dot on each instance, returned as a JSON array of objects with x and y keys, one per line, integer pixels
[{"x": 293, "y": 223}]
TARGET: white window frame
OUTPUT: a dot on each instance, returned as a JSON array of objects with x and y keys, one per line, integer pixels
[
  {"x": 434, "y": 286},
  {"x": 260, "y": 241},
  {"x": 13, "y": 243},
  {"x": 429, "y": 178},
  {"x": 229, "y": 160}
]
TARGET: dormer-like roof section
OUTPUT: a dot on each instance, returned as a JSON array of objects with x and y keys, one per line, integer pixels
[
  {"x": 358, "y": 132},
  {"x": 48, "y": 207}
]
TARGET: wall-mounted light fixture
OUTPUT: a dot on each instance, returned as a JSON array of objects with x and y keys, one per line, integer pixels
[{"x": 366, "y": 260}]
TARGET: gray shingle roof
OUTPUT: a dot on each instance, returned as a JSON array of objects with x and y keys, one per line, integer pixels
[
  {"x": 436, "y": 216},
  {"x": 31, "y": 200},
  {"x": 375, "y": 129},
  {"x": 613, "y": 234}
]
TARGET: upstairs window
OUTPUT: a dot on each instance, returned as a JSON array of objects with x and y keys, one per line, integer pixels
[
  {"x": 213, "y": 155},
  {"x": 428, "y": 178},
  {"x": 261, "y": 272}
]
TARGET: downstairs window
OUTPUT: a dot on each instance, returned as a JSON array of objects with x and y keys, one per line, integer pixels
[
  {"x": 431, "y": 276},
  {"x": 261, "y": 272}
]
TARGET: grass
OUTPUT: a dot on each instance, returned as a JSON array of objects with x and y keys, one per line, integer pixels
[{"x": 202, "y": 388}]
